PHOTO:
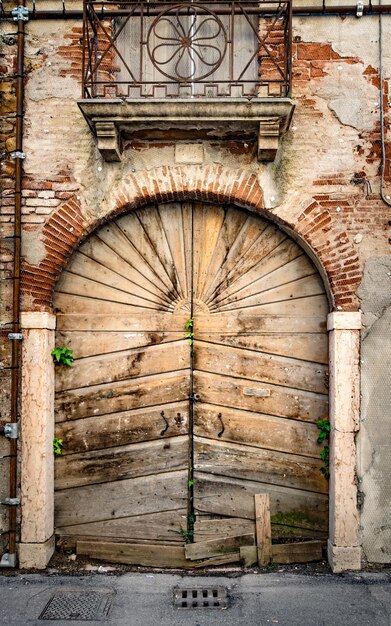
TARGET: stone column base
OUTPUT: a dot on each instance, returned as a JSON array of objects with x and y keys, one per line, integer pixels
[
  {"x": 342, "y": 559},
  {"x": 36, "y": 555}
]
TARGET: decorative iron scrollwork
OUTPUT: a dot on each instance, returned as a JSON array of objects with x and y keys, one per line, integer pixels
[{"x": 187, "y": 42}]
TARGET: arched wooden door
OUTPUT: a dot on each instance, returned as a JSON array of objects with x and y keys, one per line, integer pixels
[{"x": 201, "y": 369}]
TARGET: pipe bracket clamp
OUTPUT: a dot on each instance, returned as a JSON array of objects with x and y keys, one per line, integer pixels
[{"x": 20, "y": 13}]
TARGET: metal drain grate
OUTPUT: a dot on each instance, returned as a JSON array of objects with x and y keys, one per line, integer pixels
[
  {"x": 201, "y": 598},
  {"x": 78, "y": 605}
]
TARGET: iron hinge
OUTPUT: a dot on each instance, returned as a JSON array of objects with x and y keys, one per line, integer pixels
[
  {"x": 11, "y": 430},
  {"x": 18, "y": 155},
  {"x": 8, "y": 560},
  {"x": 11, "y": 502},
  {"x": 20, "y": 13},
  {"x": 15, "y": 336}
]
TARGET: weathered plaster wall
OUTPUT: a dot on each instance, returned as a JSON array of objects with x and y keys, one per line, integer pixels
[{"x": 324, "y": 182}]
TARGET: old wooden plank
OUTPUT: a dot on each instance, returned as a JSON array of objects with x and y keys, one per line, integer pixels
[
  {"x": 256, "y": 429},
  {"x": 207, "y": 223},
  {"x": 249, "y": 555},
  {"x": 235, "y": 498},
  {"x": 91, "y": 343},
  {"x": 99, "y": 320},
  {"x": 123, "y": 498},
  {"x": 207, "y": 529},
  {"x": 217, "y": 547},
  {"x": 80, "y": 304},
  {"x": 238, "y": 322},
  {"x": 260, "y": 366},
  {"x": 128, "y": 461},
  {"x": 224, "y": 559},
  {"x": 150, "y": 555},
  {"x": 125, "y": 427},
  {"x": 122, "y": 395},
  {"x": 285, "y": 295},
  {"x": 125, "y": 279},
  {"x": 125, "y": 364},
  {"x": 277, "y": 400},
  {"x": 266, "y": 466},
  {"x": 286, "y": 263},
  {"x": 305, "y": 346},
  {"x": 263, "y": 528},
  {"x": 303, "y": 552},
  {"x": 163, "y": 526},
  {"x": 280, "y": 303}
]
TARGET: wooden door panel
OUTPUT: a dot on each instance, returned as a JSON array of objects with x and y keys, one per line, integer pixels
[
  {"x": 124, "y": 427},
  {"x": 166, "y": 526},
  {"x": 155, "y": 390},
  {"x": 232, "y": 497},
  {"x": 127, "y": 461},
  {"x": 257, "y": 362},
  {"x": 260, "y": 366},
  {"x": 124, "y": 365},
  {"x": 265, "y": 466},
  {"x": 121, "y": 498}
]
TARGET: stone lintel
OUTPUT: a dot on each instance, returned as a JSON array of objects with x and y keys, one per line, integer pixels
[
  {"x": 36, "y": 555},
  {"x": 343, "y": 559},
  {"x": 263, "y": 119},
  {"x": 342, "y": 320},
  {"x": 38, "y": 319}
]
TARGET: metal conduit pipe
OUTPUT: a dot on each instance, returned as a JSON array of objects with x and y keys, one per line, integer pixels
[
  {"x": 66, "y": 14},
  {"x": 9, "y": 559}
]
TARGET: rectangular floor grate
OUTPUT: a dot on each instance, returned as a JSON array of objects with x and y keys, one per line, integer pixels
[
  {"x": 77, "y": 605},
  {"x": 201, "y": 598}
]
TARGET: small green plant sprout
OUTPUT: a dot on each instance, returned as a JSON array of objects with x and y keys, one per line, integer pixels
[
  {"x": 57, "y": 446},
  {"x": 189, "y": 329},
  {"x": 187, "y": 535},
  {"x": 324, "y": 427},
  {"x": 63, "y": 356}
]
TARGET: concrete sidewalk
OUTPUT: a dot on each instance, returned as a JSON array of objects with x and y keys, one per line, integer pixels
[{"x": 146, "y": 599}]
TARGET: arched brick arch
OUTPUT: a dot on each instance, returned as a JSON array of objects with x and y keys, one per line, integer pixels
[{"x": 68, "y": 226}]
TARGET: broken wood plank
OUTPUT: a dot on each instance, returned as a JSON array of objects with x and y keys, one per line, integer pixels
[
  {"x": 208, "y": 529},
  {"x": 148, "y": 555},
  {"x": 217, "y": 547},
  {"x": 303, "y": 552},
  {"x": 224, "y": 559},
  {"x": 249, "y": 555},
  {"x": 263, "y": 528}
]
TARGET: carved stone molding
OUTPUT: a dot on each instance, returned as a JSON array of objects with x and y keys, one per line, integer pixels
[{"x": 264, "y": 119}]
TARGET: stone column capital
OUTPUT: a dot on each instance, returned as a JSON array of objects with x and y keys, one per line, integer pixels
[
  {"x": 343, "y": 320},
  {"x": 38, "y": 320}
]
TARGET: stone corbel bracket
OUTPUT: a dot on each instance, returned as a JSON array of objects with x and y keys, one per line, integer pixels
[{"x": 266, "y": 119}]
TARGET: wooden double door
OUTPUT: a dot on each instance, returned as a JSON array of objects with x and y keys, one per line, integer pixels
[{"x": 199, "y": 333}]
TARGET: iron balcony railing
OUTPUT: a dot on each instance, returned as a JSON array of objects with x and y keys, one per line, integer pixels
[{"x": 141, "y": 49}]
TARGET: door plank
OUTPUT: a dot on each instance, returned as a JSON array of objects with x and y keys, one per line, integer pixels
[
  {"x": 151, "y": 555},
  {"x": 140, "y": 392},
  {"x": 248, "y": 463},
  {"x": 164, "y": 526},
  {"x": 259, "y": 366},
  {"x": 232, "y": 497},
  {"x": 123, "y": 428},
  {"x": 207, "y": 529},
  {"x": 123, "y": 498},
  {"x": 282, "y": 401},
  {"x": 256, "y": 429},
  {"x": 117, "y": 366},
  {"x": 302, "y": 552},
  {"x": 263, "y": 528},
  {"x": 110, "y": 464},
  {"x": 307, "y": 347},
  {"x": 137, "y": 322},
  {"x": 217, "y": 547},
  {"x": 239, "y": 322},
  {"x": 92, "y": 343}
]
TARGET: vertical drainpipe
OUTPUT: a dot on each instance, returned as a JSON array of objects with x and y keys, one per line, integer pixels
[{"x": 9, "y": 559}]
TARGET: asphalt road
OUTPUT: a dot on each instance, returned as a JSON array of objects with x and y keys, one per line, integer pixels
[{"x": 146, "y": 599}]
